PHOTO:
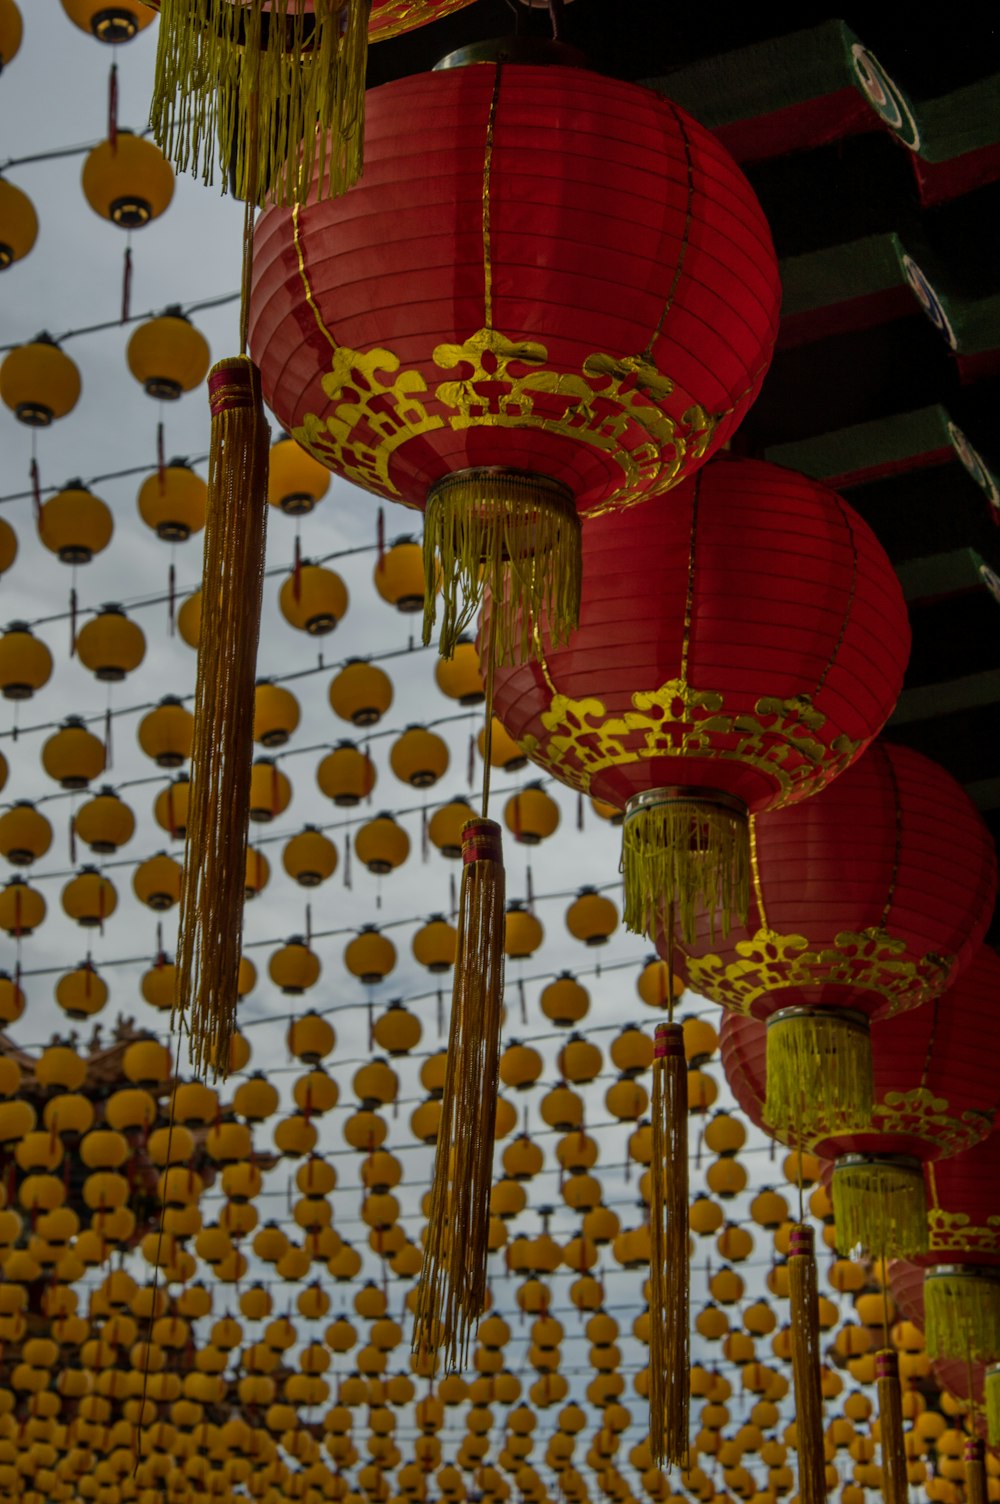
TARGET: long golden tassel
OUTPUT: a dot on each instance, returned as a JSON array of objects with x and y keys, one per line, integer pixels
[
  {"x": 518, "y": 534},
  {"x": 804, "y": 1295},
  {"x": 975, "y": 1471},
  {"x": 304, "y": 88},
  {"x": 669, "y": 1316},
  {"x": 451, "y": 1295},
  {"x": 992, "y": 1392},
  {"x": 962, "y": 1310},
  {"x": 819, "y": 1072},
  {"x": 895, "y": 1485},
  {"x": 687, "y": 851},
  {"x": 212, "y": 893},
  {"x": 880, "y": 1205}
]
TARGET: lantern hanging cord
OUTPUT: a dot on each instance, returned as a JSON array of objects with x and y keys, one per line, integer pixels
[{"x": 220, "y": 301}]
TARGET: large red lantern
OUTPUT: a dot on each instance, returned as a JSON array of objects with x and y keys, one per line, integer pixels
[
  {"x": 552, "y": 294},
  {"x": 935, "y": 1089},
  {"x": 867, "y": 901},
  {"x": 740, "y": 643},
  {"x": 953, "y": 1290}
]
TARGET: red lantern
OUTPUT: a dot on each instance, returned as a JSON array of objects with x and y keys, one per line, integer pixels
[
  {"x": 551, "y": 295},
  {"x": 935, "y": 1087},
  {"x": 866, "y": 902},
  {"x": 740, "y": 643}
]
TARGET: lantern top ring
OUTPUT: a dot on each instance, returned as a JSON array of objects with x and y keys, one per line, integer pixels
[
  {"x": 674, "y": 794},
  {"x": 892, "y": 1161},
  {"x": 963, "y": 1271},
  {"x": 851, "y": 1018},
  {"x": 537, "y": 51}
]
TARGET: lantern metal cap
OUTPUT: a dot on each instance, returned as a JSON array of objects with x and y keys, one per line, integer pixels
[{"x": 534, "y": 51}]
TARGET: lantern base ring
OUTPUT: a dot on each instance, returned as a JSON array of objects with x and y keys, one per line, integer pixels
[
  {"x": 962, "y": 1311},
  {"x": 879, "y": 1204},
  {"x": 685, "y": 851},
  {"x": 819, "y": 1073},
  {"x": 515, "y": 533}
]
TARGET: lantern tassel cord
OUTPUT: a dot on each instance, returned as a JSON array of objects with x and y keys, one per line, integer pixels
[
  {"x": 881, "y": 1206},
  {"x": 452, "y": 1292},
  {"x": 303, "y": 90},
  {"x": 690, "y": 854},
  {"x": 804, "y": 1295},
  {"x": 975, "y": 1471},
  {"x": 669, "y": 1295},
  {"x": 819, "y": 1073},
  {"x": 895, "y": 1484},
  {"x": 962, "y": 1308},
  {"x": 517, "y": 535}
]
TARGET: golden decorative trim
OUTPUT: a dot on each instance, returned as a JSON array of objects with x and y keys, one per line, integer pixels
[
  {"x": 758, "y": 887},
  {"x": 781, "y": 739},
  {"x": 871, "y": 961}
]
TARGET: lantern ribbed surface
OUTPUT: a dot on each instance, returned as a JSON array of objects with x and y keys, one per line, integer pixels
[{"x": 541, "y": 269}]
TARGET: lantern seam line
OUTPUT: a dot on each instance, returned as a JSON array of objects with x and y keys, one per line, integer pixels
[
  {"x": 487, "y": 226},
  {"x": 688, "y": 213},
  {"x": 850, "y": 599},
  {"x": 304, "y": 278}
]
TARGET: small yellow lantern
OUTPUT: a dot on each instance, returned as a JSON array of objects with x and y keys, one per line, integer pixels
[
  {"x": 110, "y": 645},
  {"x": 295, "y": 481},
  {"x": 313, "y": 599},
  {"x": 166, "y": 733},
  {"x": 25, "y": 662},
  {"x": 399, "y": 575},
  {"x": 75, "y": 524},
  {"x": 18, "y": 224},
  {"x": 129, "y": 181},
  {"x": 168, "y": 355},
  {"x": 39, "y": 382},
  {"x": 172, "y": 502}
]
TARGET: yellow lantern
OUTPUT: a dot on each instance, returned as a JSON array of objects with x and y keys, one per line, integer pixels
[
  {"x": 166, "y": 733},
  {"x": 11, "y": 1003},
  {"x": 580, "y": 1060},
  {"x": 8, "y": 537},
  {"x": 294, "y": 967},
  {"x": 565, "y": 1000},
  {"x": 168, "y": 355},
  {"x": 276, "y": 714},
  {"x": 39, "y": 382},
  {"x": 129, "y": 181},
  {"x": 189, "y": 619},
  {"x": 591, "y": 917},
  {"x": 531, "y": 815},
  {"x": 310, "y": 1038},
  {"x": 310, "y": 857},
  {"x": 419, "y": 757},
  {"x": 505, "y": 753},
  {"x": 399, "y": 575},
  {"x": 361, "y": 692},
  {"x": 520, "y": 1066},
  {"x": 313, "y": 599},
  {"x": 105, "y": 822},
  {"x": 444, "y": 829},
  {"x": 75, "y": 524},
  {"x": 18, "y": 224},
  {"x": 109, "y": 23},
  {"x": 81, "y": 993},
  {"x": 296, "y": 482},
  {"x": 381, "y": 844},
  {"x": 110, "y": 645},
  {"x": 170, "y": 807},
  {"x": 523, "y": 932},
  {"x": 632, "y": 1051},
  {"x": 25, "y": 834},
  {"x": 346, "y": 775},
  {"x": 73, "y": 756},
  {"x": 434, "y": 944},
  {"x": 370, "y": 955},
  {"x": 25, "y": 662},
  {"x": 270, "y": 790},
  {"x": 257, "y": 873},
  {"x": 173, "y": 501},
  {"x": 459, "y": 676},
  {"x": 397, "y": 1030},
  {"x": 157, "y": 882},
  {"x": 22, "y": 908},
  {"x": 376, "y": 1084}
]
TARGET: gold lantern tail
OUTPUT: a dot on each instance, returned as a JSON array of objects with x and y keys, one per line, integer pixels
[
  {"x": 975, "y": 1471},
  {"x": 452, "y": 1292},
  {"x": 819, "y": 1072},
  {"x": 669, "y": 1297},
  {"x": 992, "y": 1394},
  {"x": 688, "y": 850},
  {"x": 895, "y": 1484},
  {"x": 517, "y": 534},
  {"x": 222, "y": 67},
  {"x": 212, "y": 893},
  {"x": 880, "y": 1205},
  {"x": 804, "y": 1294}
]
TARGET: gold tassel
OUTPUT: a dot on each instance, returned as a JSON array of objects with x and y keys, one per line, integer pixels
[
  {"x": 300, "y": 75},
  {"x": 879, "y": 1205},
  {"x": 895, "y": 1484},
  {"x": 975, "y": 1471},
  {"x": 212, "y": 892},
  {"x": 819, "y": 1073},
  {"x": 669, "y": 1319},
  {"x": 518, "y": 534},
  {"x": 992, "y": 1393},
  {"x": 451, "y": 1296},
  {"x": 690, "y": 850},
  {"x": 962, "y": 1311},
  {"x": 804, "y": 1296}
]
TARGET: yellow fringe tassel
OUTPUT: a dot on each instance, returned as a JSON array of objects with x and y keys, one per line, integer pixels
[
  {"x": 895, "y": 1484},
  {"x": 301, "y": 74},
  {"x": 687, "y": 851},
  {"x": 819, "y": 1073},
  {"x": 992, "y": 1390},
  {"x": 669, "y": 1319},
  {"x": 806, "y": 1358},
  {"x": 451, "y": 1296},
  {"x": 880, "y": 1205},
  {"x": 517, "y": 534},
  {"x": 975, "y": 1471},
  {"x": 212, "y": 892},
  {"x": 962, "y": 1311}
]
